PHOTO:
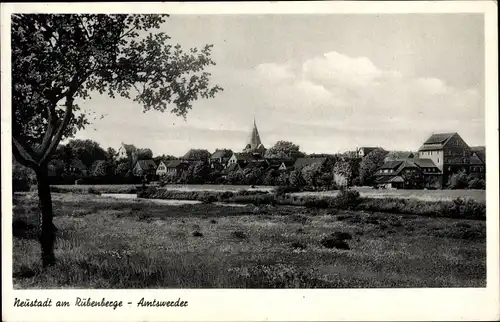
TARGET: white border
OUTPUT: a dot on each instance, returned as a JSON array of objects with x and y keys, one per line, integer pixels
[{"x": 257, "y": 305}]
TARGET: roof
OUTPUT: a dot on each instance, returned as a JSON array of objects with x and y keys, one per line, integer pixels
[
  {"x": 247, "y": 156},
  {"x": 221, "y": 154},
  {"x": 399, "y": 165},
  {"x": 436, "y": 141},
  {"x": 479, "y": 152},
  {"x": 475, "y": 159},
  {"x": 146, "y": 164},
  {"x": 302, "y": 162},
  {"x": 391, "y": 164},
  {"x": 176, "y": 163},
  {"x": 425, "y": 163}
]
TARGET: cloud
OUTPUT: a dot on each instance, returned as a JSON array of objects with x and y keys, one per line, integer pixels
[
  {"x": 352, "y": 95},
  {"x": 329, "y": 103}
]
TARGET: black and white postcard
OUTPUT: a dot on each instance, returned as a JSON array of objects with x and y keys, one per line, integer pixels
[{"x": 250, "y": 161}]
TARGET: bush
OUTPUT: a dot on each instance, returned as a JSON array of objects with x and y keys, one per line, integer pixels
[
  {"x": 281, "y": 190},
  {"x": 93, "y": 191},
  {"x": 458, "y": 180},
  {"x": 477, "y": 183},
  {"x": 346, "y": 199},
  {"x": 239, "y": 234},
  {"x": 197, "y": 234}
]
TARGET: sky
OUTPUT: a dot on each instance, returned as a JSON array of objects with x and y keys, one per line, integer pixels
[{"x": 329, "y": 83}]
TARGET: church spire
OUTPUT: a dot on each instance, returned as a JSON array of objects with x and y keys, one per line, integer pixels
[{"x": 254, "y": 144}]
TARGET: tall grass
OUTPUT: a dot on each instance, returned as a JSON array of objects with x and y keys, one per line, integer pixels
[{"x": 345, "y": 199}]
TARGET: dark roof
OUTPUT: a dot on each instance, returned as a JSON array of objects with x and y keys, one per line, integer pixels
[
  {"x": 479, "y": 152},
  {"x": 439, "y": 138},
  {"x": 146, "y": 164},
  {"x": 221, "y": 154},
  {"x": 475, "y": 159},
  {"x": 391, "y": 164},
  {"x": 436, "y": 141},
  {"x": 247, "y": 156},
  {"x": 302, "y": 162},
  {"x": 176, "y": 163},
  {"x": 399, "y": 165},
  {"x": 424, "y": 163}
]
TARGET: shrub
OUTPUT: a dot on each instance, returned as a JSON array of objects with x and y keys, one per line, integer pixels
[
  {"x": 281, "y": 190},
  {"x": 197, "y": 234},
  {"x": 239, "y": 234},
  {"x": 477, "y": 183},
  {"x": 346, "y": 199},
  {"x": 316, "y": 203},
  {"x": 282, "y": 276},
  {"x": 458, "y": 180},
  {"x": 332, "y": 242},
  {"x": 93, "y": 191},
  {"x": 299, "y": 245}
]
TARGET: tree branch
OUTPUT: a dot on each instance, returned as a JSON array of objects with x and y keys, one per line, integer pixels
[
  {"x": 65, "y": 121},
  {"x": 47, "y": 138},
  {"x": 22, "y": 155}
]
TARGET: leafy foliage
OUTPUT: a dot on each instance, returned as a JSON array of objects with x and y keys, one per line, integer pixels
[
  {"x": 370, "y": 164},
  {"x": 59, "y": 58},
  {"x": 284, "y": 149}
]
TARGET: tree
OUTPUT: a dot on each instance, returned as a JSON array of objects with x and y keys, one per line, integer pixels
[
  {"x": 283, "y": 179},
  {"x": 111, "y": 154},
  {"x": 284, "y": 149},
  {"x": 101, "y": 168},
  {"x": 343, "y": 169},
  {"x": 58, "y": 59},
  {"x": 200, "y": 172},
  {"x": 458, "y": 180},
  {"x": 311, "y": 174},
  {"x": 87, "y": 151},
  {"x": 144, "y": 154},
  {"x": 413, "y": 179},
  {"x": 370, "y": 164},
  {"x": 295, "y": 178}
]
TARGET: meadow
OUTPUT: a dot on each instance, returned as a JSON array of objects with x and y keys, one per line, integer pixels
[
  {"x": 105, "y": 242},
  {"x": 426, "y": 195}
]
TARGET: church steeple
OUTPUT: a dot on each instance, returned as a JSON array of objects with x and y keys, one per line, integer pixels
[
  {"x": 254, "y": 145},
  {"x": 255, "y": 138}
]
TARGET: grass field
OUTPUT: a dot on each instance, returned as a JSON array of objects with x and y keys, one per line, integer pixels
[
  {"x": 428, "y": 195},
  {"x": 112, "y": 243}
]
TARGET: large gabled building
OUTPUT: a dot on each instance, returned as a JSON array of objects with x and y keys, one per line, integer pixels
[{"x": 448, "y": 151}]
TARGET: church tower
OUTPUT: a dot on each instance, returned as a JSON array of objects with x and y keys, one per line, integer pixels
[{"x": 254, "y": 145}]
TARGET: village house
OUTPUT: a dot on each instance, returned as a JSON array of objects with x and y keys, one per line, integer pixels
[
  {"x": 125, "y": 150},
  {"x": 477, "y": 164},
  {"x": 218, "y": 160},
  {"x": 399, "y": 155},
  {"x": 144, "y": 168},
  {"x": 174, "y": 167},
  {"x": 364, "y": 151},
  {"x": 448, "y": 151},
  {"x": 244, "y": 158},
  {"x": 281, "y": 164},
  {"x": 409, "y": 173}
]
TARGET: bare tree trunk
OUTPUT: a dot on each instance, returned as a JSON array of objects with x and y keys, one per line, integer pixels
[{"x": 47, "y": 235}]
